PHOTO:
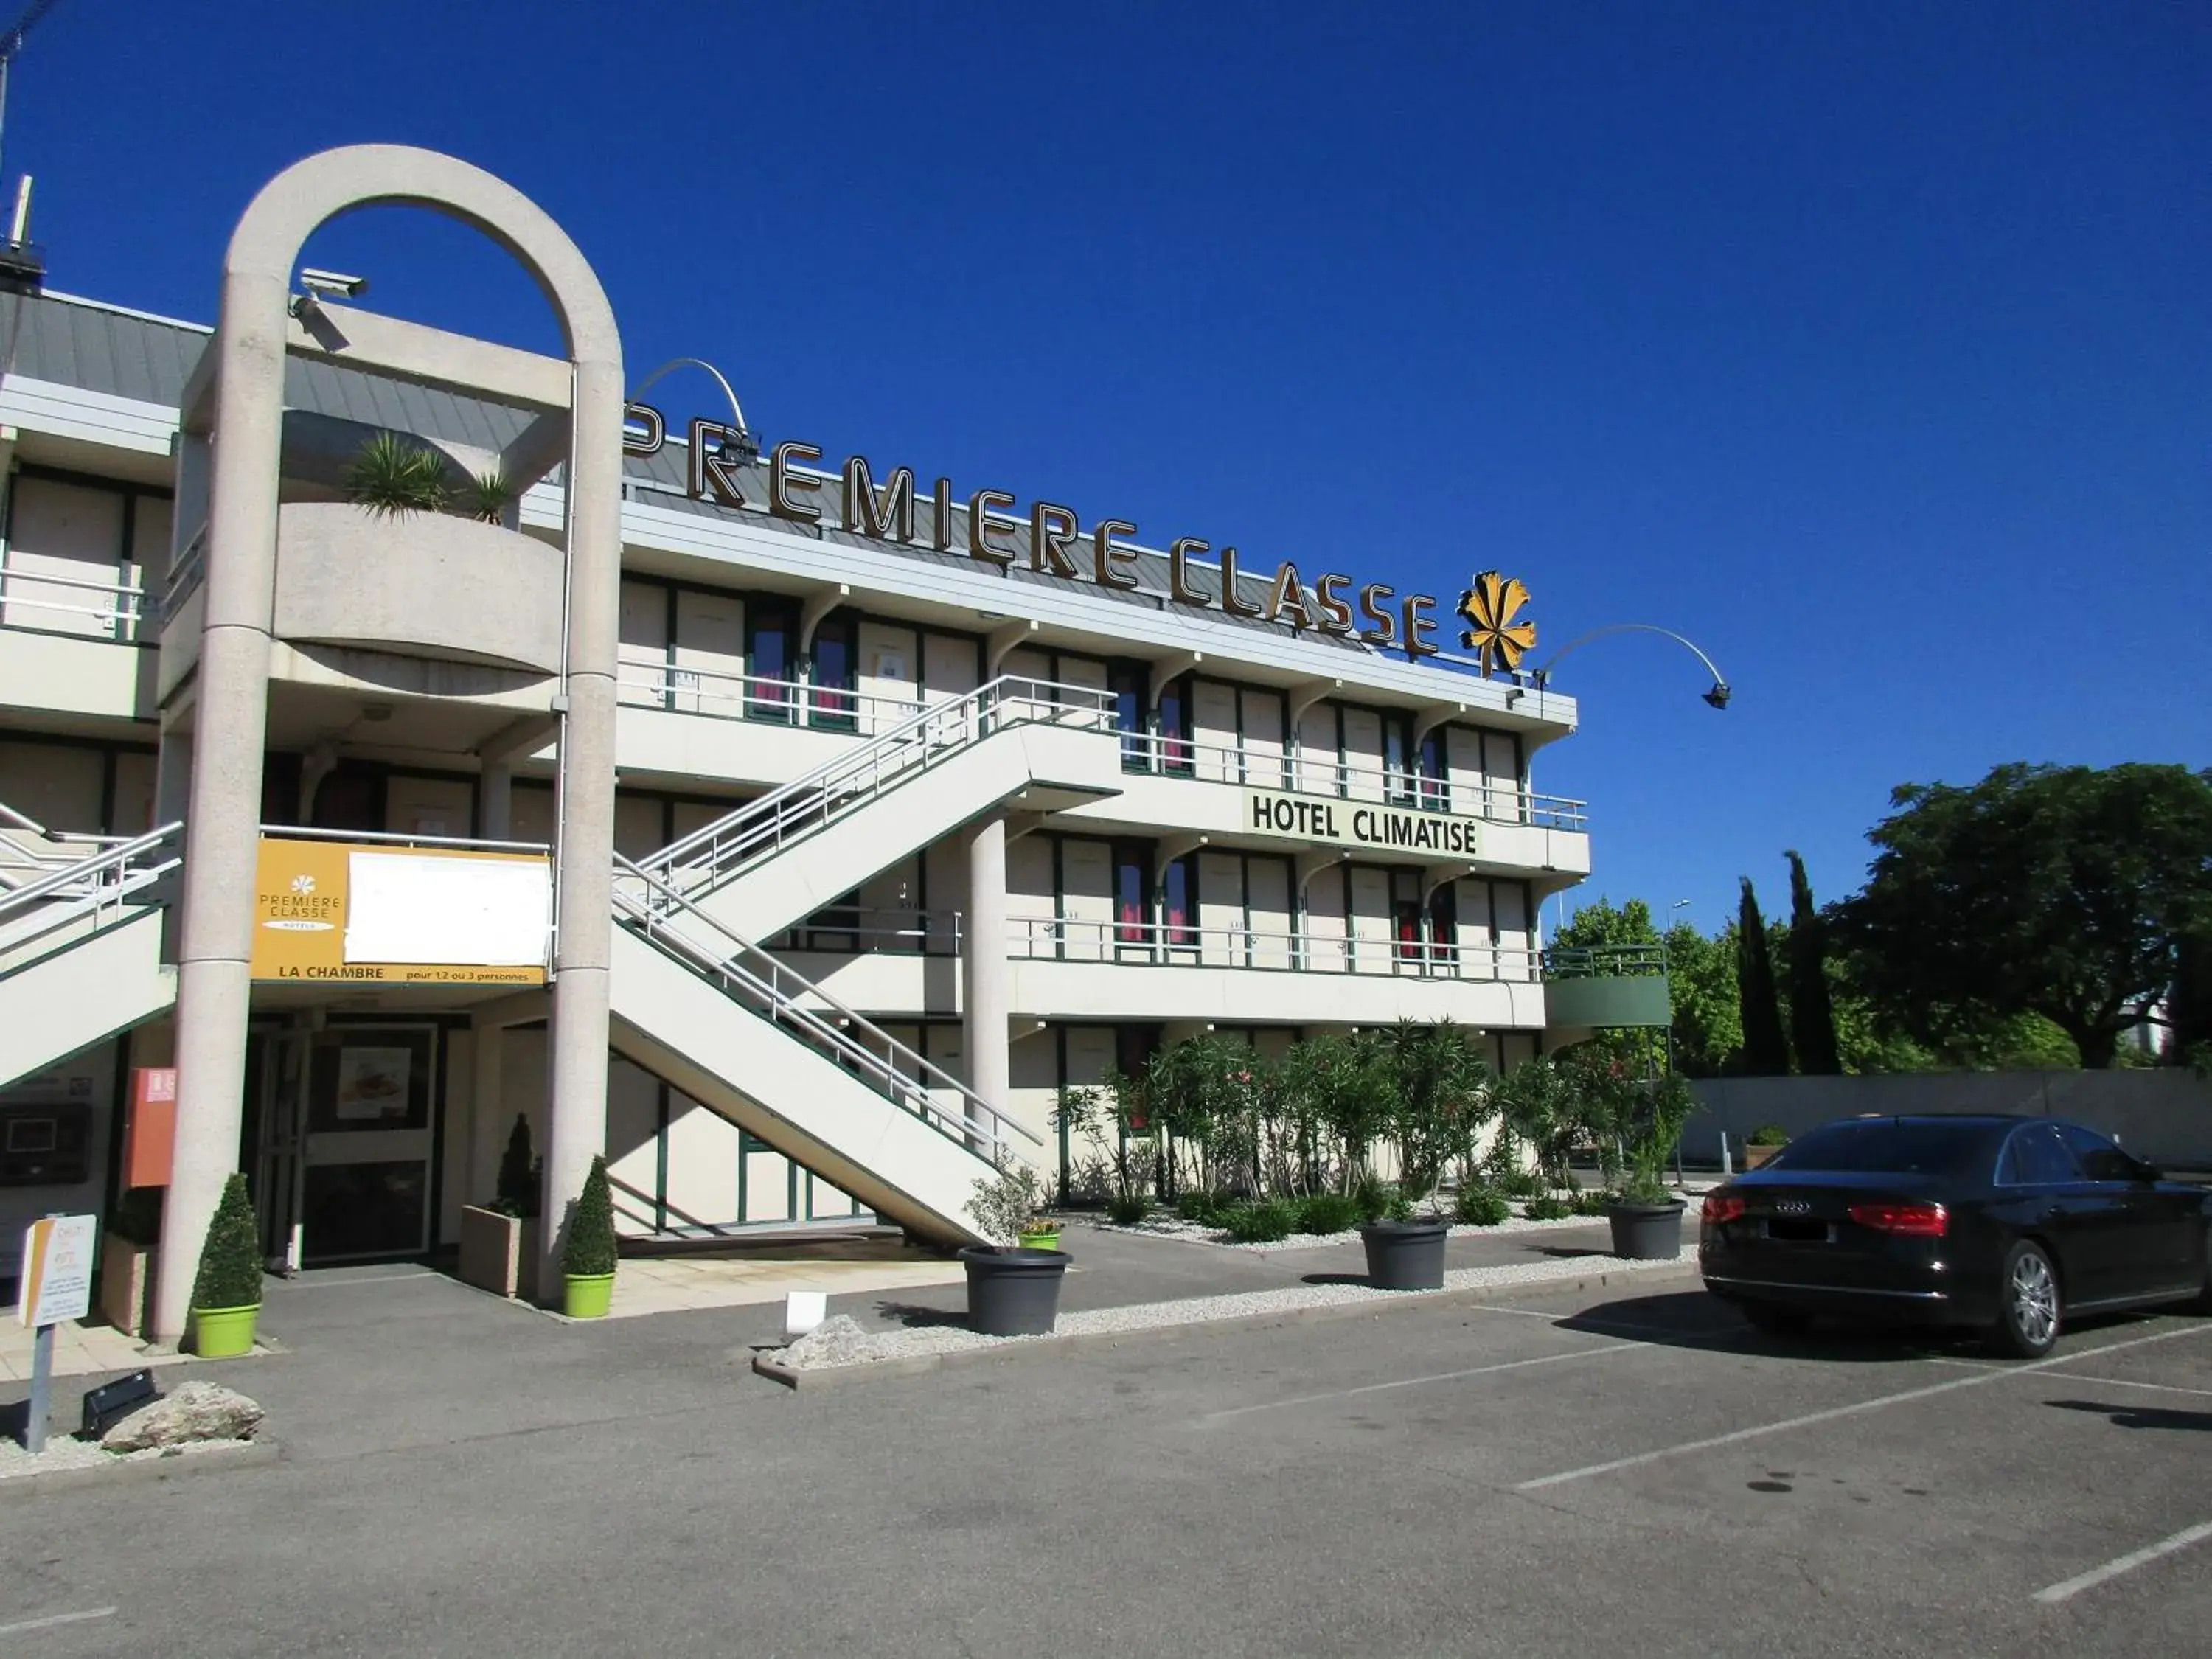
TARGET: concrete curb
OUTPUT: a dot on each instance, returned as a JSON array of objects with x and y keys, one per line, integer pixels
[
  {"x": 813, "y": 1380},
  {"x": 252, "y": 1454}
]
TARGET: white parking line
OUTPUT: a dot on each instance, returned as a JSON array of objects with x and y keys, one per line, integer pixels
[
  {"x": 1417, "y": 1381},
  {"x": 1857, "y": 1408},
  {"x": 2066, "y": 1589},
  {"x": 54, "y": 1619}
]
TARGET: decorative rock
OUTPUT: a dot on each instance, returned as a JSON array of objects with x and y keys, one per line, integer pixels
[
  {"x": 197, "y": 1411},
  {"x": 838, "y": 1341}
]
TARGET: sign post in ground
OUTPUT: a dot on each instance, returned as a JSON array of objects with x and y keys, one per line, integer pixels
[{"x": 58, "y": 1257}]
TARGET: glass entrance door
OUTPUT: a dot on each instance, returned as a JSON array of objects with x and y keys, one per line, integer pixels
[{"x": 364, "y": 1162}]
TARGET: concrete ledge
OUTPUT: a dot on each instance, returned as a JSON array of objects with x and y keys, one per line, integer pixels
[
  {"x": 813, "y": 1379},
  {"x": 247, "y": 1455}
]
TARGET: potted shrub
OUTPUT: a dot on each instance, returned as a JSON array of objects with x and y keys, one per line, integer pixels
[
  {"x": 1013, "y": 1290},
  {"x": 1406, "y": 1255},
  {"x": 227, "y": 1294},
  {"x": 588, "y": 1258},
  {"x": 499, "y": 1241},
  {"x": 1647, "y": 1216},
  {"x": 487, "y": 496},
  {"x": 127, "y": 1246},
  {"x": 1765, "y": 1140}
]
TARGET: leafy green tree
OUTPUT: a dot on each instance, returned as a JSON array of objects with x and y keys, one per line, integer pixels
[
  {"x": 2189, "y": 1009},
  {"x": 2061, "y": 892},
  {"x": 1701, "y": 982},
  {"x": 1812, "y": 1015},
  {"x": 1765, "y": 1048}
]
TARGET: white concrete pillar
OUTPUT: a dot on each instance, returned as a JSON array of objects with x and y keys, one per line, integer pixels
[
  {"x": 496, "y": 801},
  {"x": 985, "y": 994},
  {"x": 222, "y": 817},
  {"x": 576, "y": 1122}
]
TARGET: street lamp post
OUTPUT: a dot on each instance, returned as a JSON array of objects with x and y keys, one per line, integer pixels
[{"x": 1718, "y": 695}]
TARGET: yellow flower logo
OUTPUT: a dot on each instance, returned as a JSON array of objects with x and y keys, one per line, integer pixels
[{"x": 1490, "y": 606}]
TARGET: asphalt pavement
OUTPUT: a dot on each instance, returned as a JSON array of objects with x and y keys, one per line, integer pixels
[{"x": 1551, "y": 1475}]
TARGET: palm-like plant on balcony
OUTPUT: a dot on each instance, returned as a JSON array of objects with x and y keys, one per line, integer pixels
[
  {"x": 391, "y": 477},
  {"x": 487, "y": 495}
]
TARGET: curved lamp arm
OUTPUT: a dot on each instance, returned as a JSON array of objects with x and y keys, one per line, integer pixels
[
  {"x": 646, "y": 385},
  {"x": 1718, "y": 697}
]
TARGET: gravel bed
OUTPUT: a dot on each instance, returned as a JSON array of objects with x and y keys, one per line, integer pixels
[
  {"x": 1167, "y": 1225},
  {"x": 846, "y": 1345},
  {"x": 66, "y": 1451}
]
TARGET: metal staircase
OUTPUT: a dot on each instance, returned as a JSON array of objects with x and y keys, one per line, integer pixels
[
  {"x": 1054, "y": 746},
  {"x": 80, "y": 938},
  {"x": 799, "y": 1069}
]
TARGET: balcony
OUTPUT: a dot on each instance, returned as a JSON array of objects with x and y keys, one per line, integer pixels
[
  {"x": 61, "y": 627},
  {"x": 1317, "y": 801}
]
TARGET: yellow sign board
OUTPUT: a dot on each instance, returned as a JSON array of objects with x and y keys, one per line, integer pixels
[{"x": 334, "y": 911}]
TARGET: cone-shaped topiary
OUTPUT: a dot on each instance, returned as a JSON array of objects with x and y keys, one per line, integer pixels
[
  {"x": 519, "y": 1174},
  {"x": 590, "y": 1250},
  {"x": 230, "y": 1261}
]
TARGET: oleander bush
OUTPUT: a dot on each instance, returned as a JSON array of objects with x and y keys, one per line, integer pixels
[
  {"x": 1126, "y": 1211},
  {"x": 1594, "y": 1201},
  {"x": 1482, "y": 1206},
  {"x": 1549, "y": 1207},
  {"x": 1260, "y": 1224},
  {"x": 1323, "y": 1213}
]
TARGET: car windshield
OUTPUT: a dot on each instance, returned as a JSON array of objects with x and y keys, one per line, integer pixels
[{"x": 1890, "y": 1145}]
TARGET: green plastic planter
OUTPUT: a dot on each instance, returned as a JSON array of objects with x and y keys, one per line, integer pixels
[
  {"x": 1043, "y": 1239},
  {"x": 223, "y": 1333},
  {"x": 587, "y": 1296}
]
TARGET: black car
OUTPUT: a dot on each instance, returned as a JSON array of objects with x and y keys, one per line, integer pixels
[{"x": 2005, "y": 1225}]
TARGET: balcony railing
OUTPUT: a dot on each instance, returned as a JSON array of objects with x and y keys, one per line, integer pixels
[
  {"x": 1177, "y": 944},
  {"x": 106, "y": 608},
  {"x": 1268, "y": 767},
  {"x": 659, "y": 685},
  {"x": 1605, "y": 961},
  {"x": 853, "y": 932}
]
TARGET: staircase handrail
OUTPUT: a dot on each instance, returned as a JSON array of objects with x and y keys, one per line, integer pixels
[
  {"x": 757, "y": 819},
  {"x": 115, "y": 857},
  {"x": 780, "y": 992}
]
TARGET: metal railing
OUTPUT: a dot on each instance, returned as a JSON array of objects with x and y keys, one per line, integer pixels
[
  {"x": 1191, "y": 945},
  {"x": 801, "y": 703},
  {"x": 184, "y": 575},
  {"x": 1268, "y": 767},
  {"x": 52, "y": 603},
  {"x": 773, "y": 990},
  {"x": 29, "y": 850},
  {"x": 90, "y": 891},
  {"x": 844, "y": 931},
  {"x": 843, "y": 785},
  {"x": 1604, "y": 961}
]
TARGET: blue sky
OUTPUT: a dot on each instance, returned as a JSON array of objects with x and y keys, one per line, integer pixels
[{"x": 1868, "y": 345}]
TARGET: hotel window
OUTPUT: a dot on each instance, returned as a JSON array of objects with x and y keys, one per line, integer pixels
[
  {"x": 771, "y": 638},
  {"x": 1179, "y": 904},
  {"x": 1126, "y": 681},
  {"x": 1176, "y": 754},
  {"x": 1133, "y": 869},
  {"x": 830, "y": 699},
  {"x": 1406, "y": 915},
  {"x": 1443, "y": 925},
  {"x": 1433, "y": 782},
  {"x": 1397, "y": 759}
]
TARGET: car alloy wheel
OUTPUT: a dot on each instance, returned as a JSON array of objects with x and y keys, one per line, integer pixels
[{"x": 2027, "y": 1324}]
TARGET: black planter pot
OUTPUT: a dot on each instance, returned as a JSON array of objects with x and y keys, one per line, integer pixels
[
  {"x": 1646, "y": 1232},
  {"x": 1405, "y": 1255},
  {"x": 1013, "y": 1292}
]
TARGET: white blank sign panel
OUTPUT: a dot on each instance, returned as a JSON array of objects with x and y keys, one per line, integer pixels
[{"x": 490, "y": 913}]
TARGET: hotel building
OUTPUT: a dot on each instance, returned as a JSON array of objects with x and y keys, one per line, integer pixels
[{"x": 790, "y": 831}]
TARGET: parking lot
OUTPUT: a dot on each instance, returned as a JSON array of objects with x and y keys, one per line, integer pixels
[{"x": 1563, "y": 1475}]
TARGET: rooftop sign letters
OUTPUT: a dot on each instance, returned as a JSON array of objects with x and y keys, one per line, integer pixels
[{"x": 1371, "y": 612}]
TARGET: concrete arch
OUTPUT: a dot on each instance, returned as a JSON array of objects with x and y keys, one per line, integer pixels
[{"x": 214, "y": 988}]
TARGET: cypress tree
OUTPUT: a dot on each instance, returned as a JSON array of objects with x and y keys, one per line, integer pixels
[
  {"x": 1765, "y": 1048},
  {"x": 1812, "y": 1015}
]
